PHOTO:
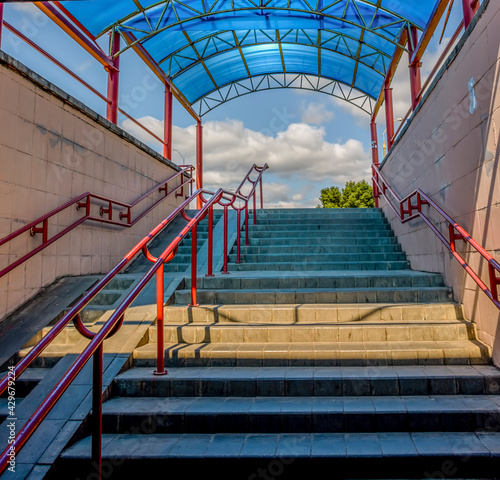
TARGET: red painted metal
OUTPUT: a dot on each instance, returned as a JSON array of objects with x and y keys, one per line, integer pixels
[
  {"x": 238, "y": 236},
  {"x": 455, "y": 231},
  {"x": 389, "y": 116},
  {"x": 1, "y": 23},
  {"x": 185, "y": 175},
  {"x": 415, "y": 64},
  {"x": 140, "y": 125},
  {"x": 160, "y": 352},
  {"x": 470, "y": 8},
  {"x": 194, "y": 265},
  {"x": 95, "y": 347},
  {"x": 226, "y": 213},
  {"x": 375, "y": 160},
  {"x": 199, "y": 160},
  {"x": 210, "y": 241},
  {"x": 167, "y": 144},
  {"x": 113, "y": 79},
  {"x": 97, "y": 408},
  {"x": 47, "y": 55}
]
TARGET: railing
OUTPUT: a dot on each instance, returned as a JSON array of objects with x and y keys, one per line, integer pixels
[
  {"x": 429, "y": 79},
  {"x": 41, "y": 224},
  {"x": 112, "y": 325},
  {"x": 407, "y": 210}
]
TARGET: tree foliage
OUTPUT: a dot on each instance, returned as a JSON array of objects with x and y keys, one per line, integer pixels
[{"x": 353, "y": 195}]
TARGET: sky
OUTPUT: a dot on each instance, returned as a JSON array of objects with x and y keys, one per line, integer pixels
[{"x": 310, "y": 140}]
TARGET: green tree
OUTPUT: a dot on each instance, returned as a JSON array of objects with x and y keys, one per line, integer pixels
[
  {"x": 353, "y": 195},
  {"x": 331, "y": 197}
]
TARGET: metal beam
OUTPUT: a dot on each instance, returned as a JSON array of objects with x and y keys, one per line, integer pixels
[
  {"x": 390, "y": 72},
  {"x": 81, "y": 37},
  {"x": 157, "y": 70}
]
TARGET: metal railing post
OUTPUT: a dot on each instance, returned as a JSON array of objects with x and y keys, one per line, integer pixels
[
  {"x": 97, "y": 360},
  {"x": 210, "y": 241},
  {"x": 160, "y": 345},
  {"x": 238, "y": 236},
  {"x": 194, "y": 266},
  {"x": 261, "y": 195},
  {"x": 254, "y": 209},
  {"x": 247, "y": 235},
  {"x": 224, "y": 270}
]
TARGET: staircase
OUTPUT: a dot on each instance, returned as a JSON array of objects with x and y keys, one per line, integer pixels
[{"x": 321, "y": 354}]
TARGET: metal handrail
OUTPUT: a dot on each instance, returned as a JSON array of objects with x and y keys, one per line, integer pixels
[
  {"x": 111, "y": 326},
  {"x": 85, "y": 201},
  {"x": 405, "y": 213}
]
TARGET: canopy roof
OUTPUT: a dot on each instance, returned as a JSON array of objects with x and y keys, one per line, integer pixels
[{"x": 216, "y": 50}]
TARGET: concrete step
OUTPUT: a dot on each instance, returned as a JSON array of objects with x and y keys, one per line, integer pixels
[
  {"x": 309, "y": 381},
  {"x": 456, "y": 352},
  {"x": 340, "y": 221},
  {"x": 316, "y": 295},
  {"x": 314, "y": 313},
  {"x": 324, "y": 226},
  {"x": 362, "y": 279},
  {"x": 291, "y": 456},
  {"x": 346, "y": 265},
  {"x": 278, "y": 249},
  {"x": 304, "y": 414},
  {"x": 331, "y": 233},
  {"x": 329, "y": 333},
  {"x": 30, "y": 378},
  {"x": 319, "y": 257},
  {"x": 325, "y": 240}
]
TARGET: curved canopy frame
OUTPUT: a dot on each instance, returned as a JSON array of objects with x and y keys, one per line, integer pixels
[{"x": 225, "y": 47}]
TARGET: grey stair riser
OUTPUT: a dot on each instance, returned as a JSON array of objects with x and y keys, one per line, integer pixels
[
  {"x": 283, "y": 296},
  {"x": 323, "y": 241},
  {"x": 191, "y": 334},
  {"x": 321, "y": 422},
  {"x": 288, "y": 314},
  {"x": 317, "y": 249},
  {"x": 320, "y": 227},
  {"x": 319, "y": 257},
  {"x": 332, "y": 234},
  {"x": 308, "y": 266},
  {"x": 359, "y": 382},
  {"x": 343, "y": 281},
  {"x": 292, "y": 465}
]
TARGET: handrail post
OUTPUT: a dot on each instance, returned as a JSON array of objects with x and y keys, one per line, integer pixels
[
  {"x": 247, "y": 235},
  {"x": 97, "y": 410},
  {"x": 194, "y": 267},
  {"x": 238, "y": 236},
  {"x": 160, "y": 344},
  {"x": 210, "y": 241},
  {"x": 261, "y": 195},
  {"x": 224, "y": 270},
  {"x": 254, "y": 209},
  {"x": 494, "y": 282},
  {"x": 113, "y": 79}
]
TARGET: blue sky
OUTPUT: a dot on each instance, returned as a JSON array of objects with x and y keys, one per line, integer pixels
[{"x": 310, "y": 140}]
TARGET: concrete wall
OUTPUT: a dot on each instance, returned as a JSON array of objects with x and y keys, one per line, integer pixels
[
  {"x": 52, "y": 148},
  {"x": 453, "y": 156}
]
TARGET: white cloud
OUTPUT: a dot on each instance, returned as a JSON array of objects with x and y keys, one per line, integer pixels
[
  {"x": 301, "y": 161},
  {"x": 317, "y": 114}
]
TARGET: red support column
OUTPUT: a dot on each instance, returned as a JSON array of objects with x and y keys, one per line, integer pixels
[
  {"x": 389, "y": 116},
  {"x": 113, "y": 79},
  {"x": 199, "y": 161},
  {"x": 470, "y": 8},
  {"x": 1, "y": 23},
  {"x": 167, "y": 149},
  {"x": 375, "y": 160},
  {"x": 415, "y": 64}
]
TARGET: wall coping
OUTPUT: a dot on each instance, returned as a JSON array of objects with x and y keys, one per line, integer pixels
[
  {"x": 12, "y": 64},
  {"x": 439, "y": 75}
]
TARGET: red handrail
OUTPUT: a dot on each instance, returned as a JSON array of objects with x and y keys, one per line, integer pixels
[
  {"x": 95, "y": 347},
  {"x": 405, "y": 212},
  {"x": 185, "y": 173}
]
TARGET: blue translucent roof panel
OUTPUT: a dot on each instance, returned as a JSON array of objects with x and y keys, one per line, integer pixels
[{"x": 206, "y": 44}]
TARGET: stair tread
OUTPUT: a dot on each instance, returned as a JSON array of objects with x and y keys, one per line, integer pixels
[{"x": 333, "y": 445}]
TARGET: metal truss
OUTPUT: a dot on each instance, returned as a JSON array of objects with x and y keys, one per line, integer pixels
[{"x": 301, "y": 81}]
